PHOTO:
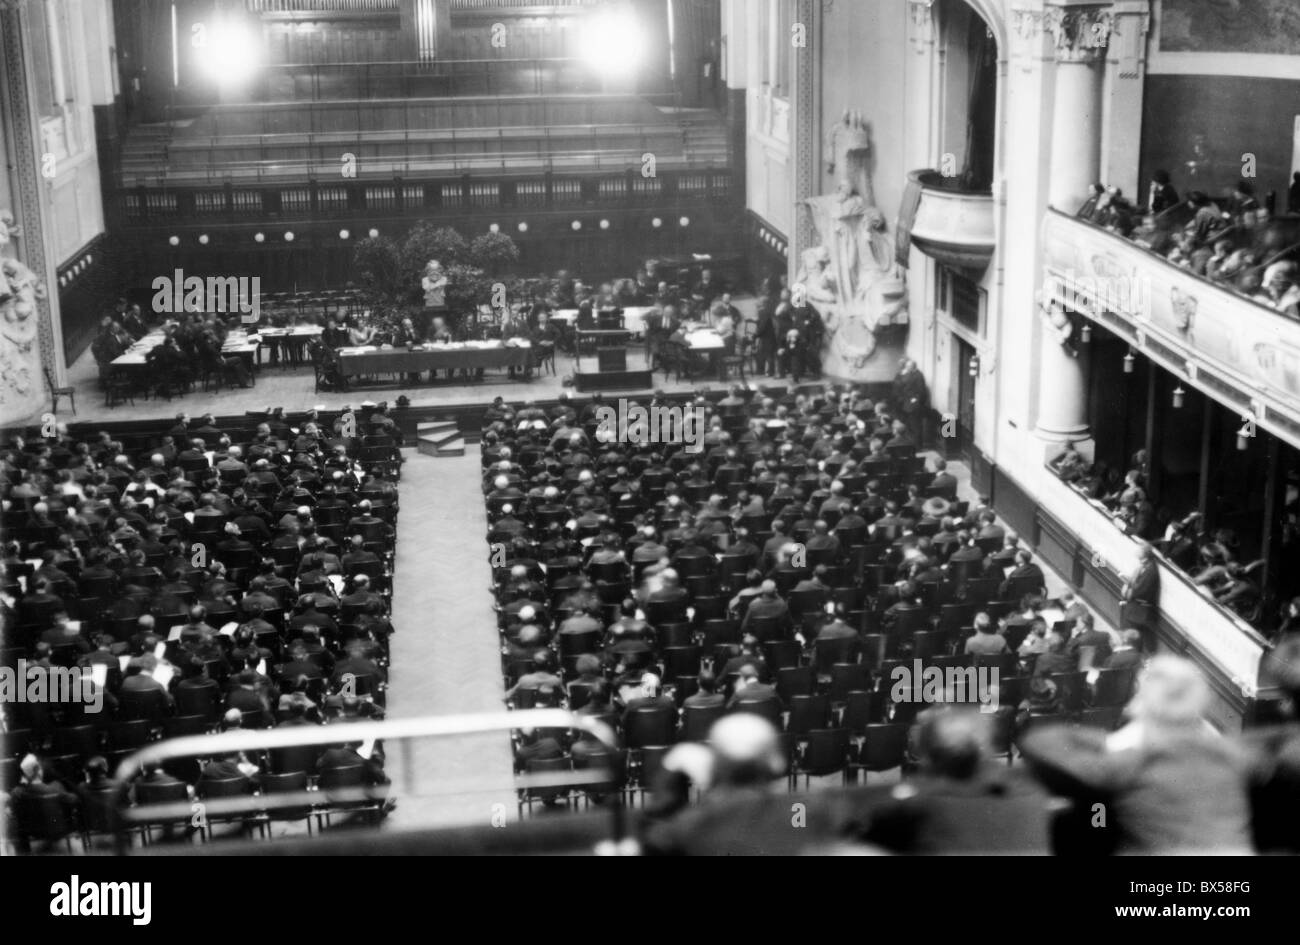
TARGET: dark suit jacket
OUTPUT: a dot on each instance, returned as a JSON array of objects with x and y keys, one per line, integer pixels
[
  {"x": 1141, "y": 607},
  {"x": 1050, "y": 663},
  {"x": 1097, "y": 639},
  {"x": 759, "y": 692},
  {"x": 994, "y": 812},
  {"x": 1124, "y": 659},
  {"x": 947, "y": 482}
]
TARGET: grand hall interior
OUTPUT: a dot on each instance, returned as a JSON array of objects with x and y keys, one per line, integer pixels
[{"x": 650, "y": 427}]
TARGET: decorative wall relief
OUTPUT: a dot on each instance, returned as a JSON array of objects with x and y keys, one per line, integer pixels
[
  {"x": 22, "y": 388},
  {"x": 851, "y": 277}
]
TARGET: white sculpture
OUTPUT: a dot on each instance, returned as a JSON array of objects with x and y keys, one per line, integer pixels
[
  {"x": 434, "y": 283},
  {"x": 851, "y": 278},
  {"x": 21, "y": 390}
]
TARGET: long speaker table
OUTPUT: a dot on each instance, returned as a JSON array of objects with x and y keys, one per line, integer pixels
[
  {"x": 471, "y": 355},
  {"x": 237, "y": 344}
]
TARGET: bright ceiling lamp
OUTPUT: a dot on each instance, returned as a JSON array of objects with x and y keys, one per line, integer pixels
[
  {"x": 227, "y": 51},
  {"x": 612, "y": 41}
]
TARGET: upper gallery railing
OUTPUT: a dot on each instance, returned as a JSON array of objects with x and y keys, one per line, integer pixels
[{"x": 1234, "y": 347}]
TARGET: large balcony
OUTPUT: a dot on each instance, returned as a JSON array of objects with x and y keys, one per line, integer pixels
[
  {"x": 1237, "y": 350},
  {"x": 952, "y": 223}
]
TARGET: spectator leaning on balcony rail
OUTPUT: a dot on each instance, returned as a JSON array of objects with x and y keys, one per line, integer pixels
[
  {"x": 1162, "y": 195},
  {"x": 1208, "y": 219},
  {"x": 1281, "y": 289},
  {"x": 1088, "y": 211},
  {"x": 1243, "y": 206}
]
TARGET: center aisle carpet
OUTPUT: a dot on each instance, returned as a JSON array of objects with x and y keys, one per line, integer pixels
[{"x": 445, "y": 656}]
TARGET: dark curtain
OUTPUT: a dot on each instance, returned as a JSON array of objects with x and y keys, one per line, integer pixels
[
  {"x": 982, "y": 111},
  {"x": 697, "y": 34},
  {"x": 144, "y": 56}
]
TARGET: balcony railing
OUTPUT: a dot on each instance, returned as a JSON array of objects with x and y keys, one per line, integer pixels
[
  {"x": 953, "y": 223},
  {"x": 1238, "y": 350},
  {"x": 461, "y": 9},
  {"x": 433, "y": 152},
  {"x": 322, "y": 6},
  {"x": 418, "y": 194},
  {"x": 1080, "y": 538}
]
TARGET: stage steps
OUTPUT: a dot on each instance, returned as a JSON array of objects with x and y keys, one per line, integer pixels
[{"x": 439, "y": 438}]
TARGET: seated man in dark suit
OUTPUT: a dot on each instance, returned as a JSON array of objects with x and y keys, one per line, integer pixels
[
  {"x": 960, "y": 801},
  {"x": 650, "y": 698},
  {"x": 743, "y": 812},
  {"x": 767, "y": 607},
  {"x": 707, "y": 696},
  {"x": 544, "y": 678},
  {"x": 1086, "y": 636},
  {"x": 1024, "y": 574},
  {"x": 750, "y": 692},
  {"x": 901, "y": 435},
  {"x": 987, "y": 641},
  {"x": 65, "y": 633},
  {"x": 670, "y": 597},
  {"x": 908, "y": 603},
  {"x": 197, "y": 681},
  {"x": 347, "y": 756},
  {"x": 989, "y": 527},
  {"x": 748, "y": 654},
  {"x": 139, "y": 680},
  {"x": 34, "y": 784},
  {"x": 357, "y": 664},
  {"x": 1057, "y": 659},
  {"x": 231, "y": 767},
  {"x": 1128, "y": 655},
  {"x": 298, "y": 666},
  {"x": 245, "y": 695},
  {"x": 944, "y": 483}
]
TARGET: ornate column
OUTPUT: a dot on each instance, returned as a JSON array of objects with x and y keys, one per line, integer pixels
[
  {"x": 920, "y": 134},
  {"x": 805, "y": 101},
  {"x": 26, "y": 347},
  {"x": 1121, "y": 138},
  {"x": 1081, "y": 34},
  {"x": 919, "y": 79}
]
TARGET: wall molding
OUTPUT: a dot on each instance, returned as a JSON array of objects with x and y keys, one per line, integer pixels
[{"x": 1247, "y": 65}]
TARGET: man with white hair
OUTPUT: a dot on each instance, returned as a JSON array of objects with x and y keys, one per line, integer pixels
[
  {"x": 1170, "y": 782},
  {"x": 649, "y": 548},
  {"x": 32, "y": 789},
  {"x": 509, "y": 523},
  {"x": 233, "y": 468},
  {"x": 768, "y": 608},
  {"x": 646, "y": 695},
  {"x": 668, "y": 601},
  {"x": 742, "y": 813}
]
